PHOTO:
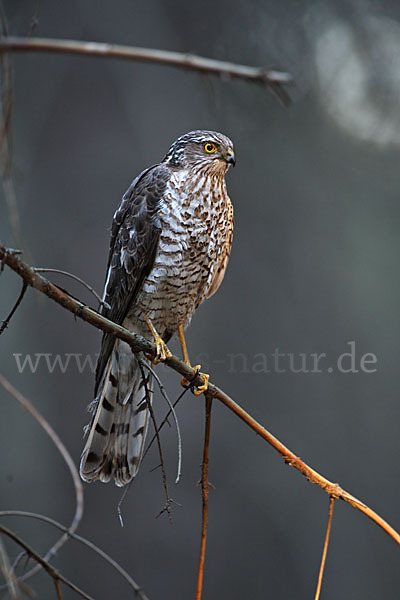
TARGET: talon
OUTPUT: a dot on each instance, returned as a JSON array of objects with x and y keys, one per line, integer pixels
[
  {"x": 189, "y": 384},
  {"x": 162, "y": 350},
  {"x": 184, "y": 382},
  {"x": 197, "y": 391},
  {"x": 202, "y": 388}
]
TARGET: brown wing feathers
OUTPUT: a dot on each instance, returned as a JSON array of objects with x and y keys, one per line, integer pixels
[{"x": 134, "y": 240}]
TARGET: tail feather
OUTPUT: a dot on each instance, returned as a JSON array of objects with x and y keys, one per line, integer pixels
[{"x": 114, "y": 447}]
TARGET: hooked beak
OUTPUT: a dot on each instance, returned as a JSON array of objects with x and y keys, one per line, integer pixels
[{"x": 230, "y": 158}]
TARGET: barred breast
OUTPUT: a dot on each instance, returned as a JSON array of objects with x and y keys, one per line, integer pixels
[{"x": 195, "y": 230}]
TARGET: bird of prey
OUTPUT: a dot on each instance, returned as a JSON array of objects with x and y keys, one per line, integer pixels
[{"x": 170, "y": 243}]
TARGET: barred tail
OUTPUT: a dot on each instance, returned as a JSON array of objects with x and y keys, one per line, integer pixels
[{"x": 115, "y": 444}]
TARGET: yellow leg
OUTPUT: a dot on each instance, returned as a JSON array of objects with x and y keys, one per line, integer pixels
[
  {"x": 203, "y": 388},
  {"x": 182, "y": 340},
  {"x": 163, "y": 352}
]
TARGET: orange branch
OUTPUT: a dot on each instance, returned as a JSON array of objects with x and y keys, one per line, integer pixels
[
  {"x": 333, "y": 489},
  {"x": 204, "y": 490},
  {"x": 325, "y": 550},
  {"x": 138, "y": 344}
]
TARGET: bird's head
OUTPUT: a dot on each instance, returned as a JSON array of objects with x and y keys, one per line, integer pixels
[{"x": 207, "y": 151}]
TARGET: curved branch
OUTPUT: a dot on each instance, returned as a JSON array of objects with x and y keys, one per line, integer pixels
[
  {"x": 7, "y": 571},
  {"x": 174, "y": 416},
  {"x": 28, "y": 406},
  {"x": 14, "y": 308},
  {"x": 56, "y": 575},
  {"x": 78, "y": 279},
  {"x": 272, "y": 79},
  {"x": 140, "y": 344},
  {"x": 82, "y": 540}
]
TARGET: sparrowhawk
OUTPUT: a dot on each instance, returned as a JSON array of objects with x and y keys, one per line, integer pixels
[{"x": 170, "y": 243}]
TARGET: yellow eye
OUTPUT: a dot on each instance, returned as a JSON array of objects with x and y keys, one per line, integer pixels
[{"x": 210, "y": 148}]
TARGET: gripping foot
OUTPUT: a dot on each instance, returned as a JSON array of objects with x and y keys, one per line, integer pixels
[
  {"x": 197, "y": 391},
  {"x": 162, "y": 350},
  {"x": 202, "y": 388}
]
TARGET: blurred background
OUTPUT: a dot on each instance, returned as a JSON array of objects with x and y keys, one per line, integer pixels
[{"x": 313, "y": 270}]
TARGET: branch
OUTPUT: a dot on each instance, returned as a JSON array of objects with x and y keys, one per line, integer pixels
[
  {"x": 56, "y": 575},
  {"x": 82, "y": 540},
  {"x": 18, "y": 302},
  {"x": 204, "y": 490},
  {"x": 325, "y": 550},
  {"x": 28, "y": 406},
  {"x": 270, "y": 78},
  {"x": 148, "y": 401},
  {"x": 78, "y": 279},
  {"x": 6, "y": 106},
  {"x": 171, "y": 411},
  {"x": 5, "y": 567},
  {"x": 140, "y": 344}
]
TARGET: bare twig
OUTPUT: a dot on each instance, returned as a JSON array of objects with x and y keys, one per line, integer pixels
[
  {"x": 81, "y": 540},
  {"x": 6, "y": 104},
  {"x": 272, "y": 79},
  {"x": 204, "y": 490},
  {"x": 138, "y": 344},
  {"x": 18, "y": 302},
  {"x": 121, "y": 501},
  {"x": 56, "y": 575},
  {"x": 86, "y": 285},
  {"x": 167, "y": 507},
  {"x": 58, "y": 589},
  {"x": 325, "y": 550},
  {"x": 27, "y": 405},
  {"x": 171, "y": 411},
  {"x": 165, "y": 420},
  {"x": 5, "y": 567},
  {"x": 6, "y": 97}
]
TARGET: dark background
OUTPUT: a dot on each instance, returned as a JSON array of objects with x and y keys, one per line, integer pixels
[{"x": 314, "y": 266}]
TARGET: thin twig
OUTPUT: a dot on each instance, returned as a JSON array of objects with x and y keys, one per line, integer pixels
[
  {"x": 171, "y": 410},
  {"x": 28, "y": 406},
  {"x": 82, "y": 540},
  {"x": 58, "y": 589},
  {"x": 18, "y": 302},
  {"x": 121, "y": 501},
  {"x": 325, "y": 550},
  {"x": 204, "y": 490},
  {"x": 272, "y": 79},
  {"x": 6, "y": 104},
  {"x": 165, "y": 420},
  {"x": 86, "y": 285},
  {"x": 167, "y": 507},
  {"x": 6, "y": 96},
  {"x": 140, "y": 344},
  {"x": 44, "y": 563},
  {"x": 5, "y": 567}
]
